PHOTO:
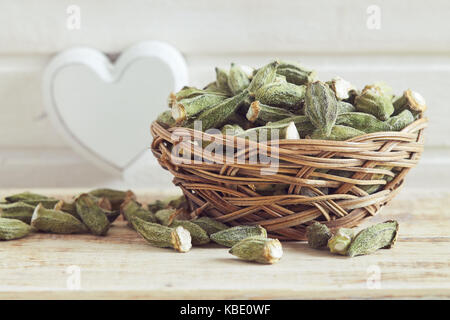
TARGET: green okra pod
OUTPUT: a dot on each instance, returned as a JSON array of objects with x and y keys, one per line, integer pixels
[
  {"x": 190, "y": 92},
  {"x": 166, "y": 119},
  {"x": 165, "y": 216},
  {"x": 344, "y": 107},
  {"x": 340, "y": 241},
  {"x": 218, "y": 115},
  {"x": 321, "y": 107},
  {"x": 187, "y": 109},
  {"x": 17, "y": 210},
  {"x": 222, "y": 80},
  {"x": 369, "y": 240},
  {"x": 92, "y": 215},
  {"x": 318, "y": 235},
  {"x": 232, "y": 129},
  {"x": 116, "y": 197},
  {"x": 238, "y": 79},
  {"x": 162, "y": 236},
  {"x": 263, "y": 76},
  {"x": 261, "y": 113},
  {"x": 68, "y": 207},
  {"x": 400, "y": 121},
  {"x": 131, "y": 208},
  {"x": 341, "y": 88},
  {"x": 210, "y": 225},
  {"x": 302, "y": 123},
  {"x": 412, "y": 101},
  {"x": 272, "y": 132},
  {"x": 229, "y": 237},
  {"x": 11, "y": 229},
  {"x": 198, "y": 235},
  {"x": 296, "y": 73},
  {"x": 282, "y": 95},
  {"x": 25, "y": 196},
  {"x": 373, "y": 100},
  {"x": 54, "y": 221},
  {"x": 362, "y": 121},
  {"x": 338, "y": 133},
  {"x": 258, "y": 249}
]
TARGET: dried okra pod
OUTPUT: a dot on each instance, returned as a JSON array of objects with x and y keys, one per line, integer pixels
[
  {"x": 92, "y": 215},
  {"x": 363, "y": 122},
  {"x": 296, "y": 73},
  {"x": 229, "y": 237},
  {"x": 166, "y": 203},
  {"x": 338, "y": 133},
  {"x": 400, "y": 121},
  {"x": 33, "y": 199},
  {"x": 198, "y": 235},
  {"x": 210, "y": 225},
  {"x": 372, "y": 100},
  {"x": 302, "y": 123},
  {"x": 378, "y": 236},
  {"x": 218, "y": 115},
  {"x": 189, "y": 92},
  {"x": 116, "y": 197},
  {"x": 162, "y": 236},
  {"x": 187, "y": 109},
  {"x": 272, "y": 131},
  {"x": 131, "y": 208},
  {"x": 11, "y": 229},
  {"x": 166, "y": 119},
  {"x": 54, "y": 221},
  {"x": 258, "y": 249},
  {"x": 282, "y": 95},
  {"x": 341, "y": 240},
  {"x": 261, "y": 113},
  {"x": 321, "y": 107},
  {"x": 25, "y": 196},
  {"x": 344, "y": 107},
  {"x": 17, "y": 210},
  {"x": 263, "y": 76},
  {"x": 165, "y": 216},
  {"x": 177, "y": 202},
  {"x": 222, "y": 80},
  {"x": 68, "y": 207},
  {"x": 46, "y": 203},
  {"x": 231, "y": 129},
  {"x": 341, "y": 88},
  {"x": 318, "y": 235},
  {"x": 238, "y": 79},
  {"x": 412, "y": 101}
]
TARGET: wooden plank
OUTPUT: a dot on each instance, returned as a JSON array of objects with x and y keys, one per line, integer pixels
[
  {"x": 228, "y": 26},
  {"x": 123, "y": 266}
]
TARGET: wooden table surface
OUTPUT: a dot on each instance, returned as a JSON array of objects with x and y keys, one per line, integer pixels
[{"x": 123, "y": 266}]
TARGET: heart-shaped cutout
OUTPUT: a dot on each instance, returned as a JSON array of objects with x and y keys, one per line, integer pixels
[{"x": 104, "y": 110}]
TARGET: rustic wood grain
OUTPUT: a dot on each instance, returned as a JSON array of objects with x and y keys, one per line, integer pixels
[{"x": 124, "y": 266}]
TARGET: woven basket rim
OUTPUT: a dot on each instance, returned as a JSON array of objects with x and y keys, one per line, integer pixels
[{"x": 224, "y": 190}]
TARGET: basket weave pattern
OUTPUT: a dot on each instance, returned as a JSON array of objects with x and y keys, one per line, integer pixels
[{"x": 224, "y": 188}]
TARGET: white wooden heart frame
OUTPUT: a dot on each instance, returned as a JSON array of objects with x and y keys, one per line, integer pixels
[{"x": 62, "y": 89}]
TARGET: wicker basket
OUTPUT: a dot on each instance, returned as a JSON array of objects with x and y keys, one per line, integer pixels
[{"x": 225, "y": 190}]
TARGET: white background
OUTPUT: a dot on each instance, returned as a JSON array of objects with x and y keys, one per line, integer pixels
[{"x": 410, "y": 50}]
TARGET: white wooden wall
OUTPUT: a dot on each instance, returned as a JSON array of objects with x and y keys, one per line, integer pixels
[{"x": 410, "y": 50}]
